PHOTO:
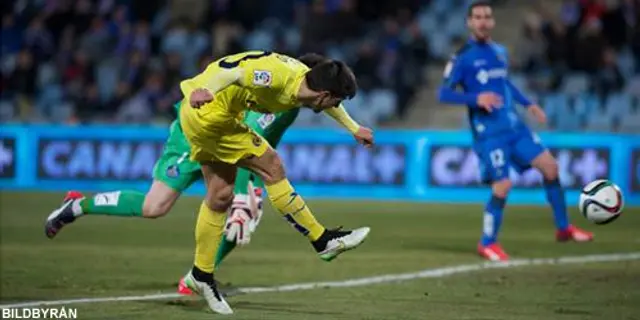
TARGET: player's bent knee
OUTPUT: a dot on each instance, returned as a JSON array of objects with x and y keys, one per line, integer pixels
[
  {"x": 221, "y": 200},
  {"x": 269, "y": 167},
  {"x": 153, "y": 210},
  {"x": 275, "y": 170},
  {"x": 550, "y": 170},
  {"x": 501, "y": 188}
]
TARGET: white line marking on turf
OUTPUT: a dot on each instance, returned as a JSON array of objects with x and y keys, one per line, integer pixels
[{"x": 427, "y": 273}]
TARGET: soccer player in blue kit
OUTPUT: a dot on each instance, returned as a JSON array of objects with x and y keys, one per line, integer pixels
[{"x": 500, "y": 138}]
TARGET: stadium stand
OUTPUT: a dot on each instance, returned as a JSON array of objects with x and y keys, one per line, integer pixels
[{"x": 77, "y": 61}]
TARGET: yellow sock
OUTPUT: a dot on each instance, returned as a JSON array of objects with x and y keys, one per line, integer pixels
[
  {"x": 293, "y": 208},
  {"x": 209, "y": 228}
]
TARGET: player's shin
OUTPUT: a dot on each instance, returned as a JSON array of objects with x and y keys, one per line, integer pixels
[
  {"x": 122, "y": 203},
  {"x": 492, "y": 220},
  {"x": 294, "y": 209},
  {"x": 555, "y": 196},
  {"x": 208, "y": 233}
]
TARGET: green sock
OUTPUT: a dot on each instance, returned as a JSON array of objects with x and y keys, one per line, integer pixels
[
  {"x": 240, "y": 188},
  {"x": 117, "y": 203},
  {"x": 223, "y": 251},
  {"x": 242, "y": 181}
]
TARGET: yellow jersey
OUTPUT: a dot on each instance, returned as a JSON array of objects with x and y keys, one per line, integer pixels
[
  {"x": 265, "y": 82},
  {"x": 260, "y": 81}
]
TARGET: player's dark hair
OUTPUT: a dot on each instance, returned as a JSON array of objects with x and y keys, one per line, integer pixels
[
  {"x": 312, "y": 59},
  {"x": 333, "y": 76},
  {"x": 477, "y": 4}
]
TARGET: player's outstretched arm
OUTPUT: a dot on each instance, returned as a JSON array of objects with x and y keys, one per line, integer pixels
[
  {"x": 362, "y": 134},
  {"x": 340, "y": 115},
  {"x": 201, "y": 91},
  {"x": 450, "y": 95}
]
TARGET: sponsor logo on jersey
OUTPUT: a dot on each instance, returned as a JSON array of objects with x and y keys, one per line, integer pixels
[
  {"x": 480, "y": 62},
  {"x": 262, "y": 78},
  {"x": 257, "y": 140},
  {"x": 484, "y": 76},
  {"x": 266, "y": 119},
  {"x": 173, "y": 171}
]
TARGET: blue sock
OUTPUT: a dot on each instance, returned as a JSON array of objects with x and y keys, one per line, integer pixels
[
  {"x": 555, "y": 196},
  {"x": 492, "y": 220}
]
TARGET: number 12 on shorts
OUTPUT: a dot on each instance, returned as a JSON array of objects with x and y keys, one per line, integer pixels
[{"x": 497, "y": 158}]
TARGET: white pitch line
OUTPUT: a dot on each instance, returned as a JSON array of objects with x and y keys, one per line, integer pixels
[{"x": 427, "y": 273}]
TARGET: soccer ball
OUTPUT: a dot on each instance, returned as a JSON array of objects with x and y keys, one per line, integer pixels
[{"x": 601, "y": 201}]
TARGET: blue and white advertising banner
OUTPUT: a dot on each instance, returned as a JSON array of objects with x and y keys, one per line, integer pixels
[{"x": 432, "y": 166}]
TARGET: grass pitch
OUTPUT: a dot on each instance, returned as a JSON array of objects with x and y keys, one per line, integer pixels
[{"x": 106, "y": 256}]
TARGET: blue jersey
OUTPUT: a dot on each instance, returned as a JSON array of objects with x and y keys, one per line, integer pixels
[
  {"x": 502, "y": 141},
  {"x": 483, "y": 67}
]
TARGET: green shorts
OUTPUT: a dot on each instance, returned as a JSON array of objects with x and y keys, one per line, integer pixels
[{"x": 178, "y": 172}]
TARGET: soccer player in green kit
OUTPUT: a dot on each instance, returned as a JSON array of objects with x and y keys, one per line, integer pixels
[{"x": 173, "y": 173}]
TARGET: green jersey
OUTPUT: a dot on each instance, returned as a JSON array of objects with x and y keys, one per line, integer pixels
[{"x": 178, "y": 172}]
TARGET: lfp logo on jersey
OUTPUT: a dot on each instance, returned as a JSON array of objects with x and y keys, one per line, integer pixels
[{"x": 262, "y": 78}]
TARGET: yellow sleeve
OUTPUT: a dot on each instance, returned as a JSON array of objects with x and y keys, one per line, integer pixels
[
  {"x": 342, "y": 117},
  {"x": 214, "y": 79}
]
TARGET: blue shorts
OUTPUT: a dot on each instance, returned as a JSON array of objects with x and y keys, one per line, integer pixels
[{"x": 496, "y": 156}]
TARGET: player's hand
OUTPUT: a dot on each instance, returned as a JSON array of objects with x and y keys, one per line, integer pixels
[
  {"x": 489, "y": 101},
  {"x": 238, "y": 227},
  {"x": 200, "y": 97},
  {"x": 537, "y": 113},
  {"x": 364, "y": 136}
]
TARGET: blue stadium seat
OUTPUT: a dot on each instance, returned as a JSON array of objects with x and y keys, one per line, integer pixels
[
  {"x": 441, "y": 7},
  {"x": 575, "y": 83},
  {"x": 585, "y": 104},
  {"x": 626, "y": 63},
  {"x": 439, "y": 44},
  {"x": 618, "y": 105},
  {"x": 259, "y": 40},
  {"x": 601, "y": 122},
  {"x": 47, "y": 74},
  {"x": 630, "y": 123},
  {"x": 383, "y": 103},
  {"x": 306, "y": 118},
  {"x": 107, "y": 75},
  {"x": 454, "y": 23},
  {"x": 633, "y": 87},
  {"x": 569, "y": 123},
  {"x": 520, "y": 81},
  {"x": 361, "y": 110},
  {"x": 7, "y": 111},
  {"x": 292, "y": 39},
  {"x": 555, "y": 105},
  {"x": 337, "y": 53},
  {"x": 428, "y": 23}
]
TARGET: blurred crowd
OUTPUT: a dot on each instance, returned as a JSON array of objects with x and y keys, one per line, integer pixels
[
  {"x": 598, "y": 39},
  {"x": 583, "y": 63},
  {"x": 76, "y": 61}
]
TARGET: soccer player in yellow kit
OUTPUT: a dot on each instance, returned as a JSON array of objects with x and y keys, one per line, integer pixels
[{"x": 264, "y": 82}]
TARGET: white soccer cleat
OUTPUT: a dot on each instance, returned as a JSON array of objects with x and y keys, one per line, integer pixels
[
  {"x": 210, "y": 293},
  {"x": 340, "y": 241}
]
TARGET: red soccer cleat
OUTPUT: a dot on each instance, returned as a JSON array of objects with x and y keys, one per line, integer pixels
[
  {"x": 492, "y": 252},
  {"x": 183, "y": 289},
  {"x": 573, "y": 234},
  {"x": 73, "y": 195}
]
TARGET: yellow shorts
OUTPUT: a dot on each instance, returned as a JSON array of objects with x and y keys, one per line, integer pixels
[{"x": 215, "y": 134}]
